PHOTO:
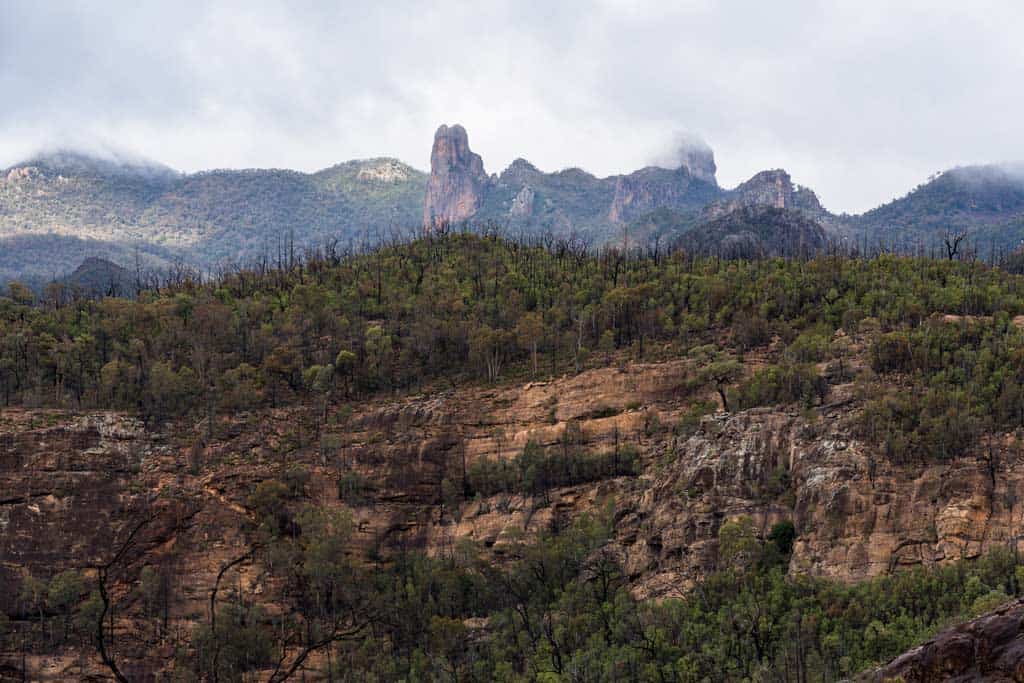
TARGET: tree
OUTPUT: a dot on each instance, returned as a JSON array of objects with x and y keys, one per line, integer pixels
[
  {"x": 169, "y": 392},
  {"x": 282, "y": 371},
  {"x": 63, "y": 594},
  {"x": 952, "y": 240},
  {"x": 378, "y": 345},
  {"x": 722, "y": 373},
  {"x": 345, "y": 365},
  {"x": 332, "y": 607},
  {"x": 489, "y": 347},
  {"x": 529, "y": 331},
  {"x": 103, "y": 637},
  {"x": 32, "y": 596},
  {"x": 738, "y": 545},
  {"x": 319, "y": 381},
  {"x": 20, "y": 294}
]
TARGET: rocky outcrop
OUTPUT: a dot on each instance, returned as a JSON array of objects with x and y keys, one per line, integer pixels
[
  {"x": 856, "y": 514},
  {"x": 384, "y": 171},
  {"x": 457, "y": 178},
  {"x": 989, "y": 648},
  {"x": 573, "y": 201},
  {"x": 522, "y": 205},
  {"x": 564, "y": 202},
  {"x": 773, "y": 189},
  {"x": 22, "y": 173}
]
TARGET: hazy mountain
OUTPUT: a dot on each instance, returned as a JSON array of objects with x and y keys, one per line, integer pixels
[
  {"x": 987, "y": 202},
  {"x": 59, "y": 208}
]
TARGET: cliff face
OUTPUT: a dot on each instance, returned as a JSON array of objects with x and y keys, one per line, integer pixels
[
  {"x": 457, "y": 178},
  {"x": 856, "y": 515},
  {"x": 72, "y": 482},
  {"x": 75, "y": 485},
  {"x": 651, "y": 188}
]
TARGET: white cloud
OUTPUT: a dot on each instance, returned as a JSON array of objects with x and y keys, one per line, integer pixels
[{"x": 859, "y": 100}]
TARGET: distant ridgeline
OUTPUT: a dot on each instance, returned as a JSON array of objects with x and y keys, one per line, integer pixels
[{"x": 57, "y": 210}]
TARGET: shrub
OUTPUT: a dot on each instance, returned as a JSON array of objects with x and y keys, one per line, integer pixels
[
  {"x": 780, "y": 384},
  {"x": 537, "y": 470}
]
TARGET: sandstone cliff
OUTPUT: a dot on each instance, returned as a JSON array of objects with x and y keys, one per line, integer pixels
[
  {"x": 699, "y": 161},
  {"x": 651, "y": 188},
  {"x": 74, "y": 485}
]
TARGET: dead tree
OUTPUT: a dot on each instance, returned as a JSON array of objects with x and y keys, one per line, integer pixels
[
  {"x": 103, "y": 576},
  {"x": 952, "y": 241}
]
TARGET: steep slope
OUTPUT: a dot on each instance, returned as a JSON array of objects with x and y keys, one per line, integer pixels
[
  {"x": 653, "y": 188},
  {"x": 527, "y": 199},
  {"x": 767, "y": 215},
  {"x": 774, "y": 189}
]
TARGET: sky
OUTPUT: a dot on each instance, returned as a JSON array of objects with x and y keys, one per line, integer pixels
[{"x": 860, "y": 101}]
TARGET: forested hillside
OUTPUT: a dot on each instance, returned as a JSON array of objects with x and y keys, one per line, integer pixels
[
  {"x": 57, "y": 209},
  {"x": 985, "y": 202},
  {"x": 299, "y": 494},
  {"x": 465, "y": 307}
]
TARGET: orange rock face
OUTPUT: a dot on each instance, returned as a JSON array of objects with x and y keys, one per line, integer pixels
[{"x": 71, "y": 486}]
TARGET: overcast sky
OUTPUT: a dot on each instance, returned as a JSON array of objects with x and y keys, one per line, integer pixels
[{"x": 859, "y": 100}]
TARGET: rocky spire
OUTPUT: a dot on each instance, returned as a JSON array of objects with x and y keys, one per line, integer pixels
[{"x": 457, "y": 178}]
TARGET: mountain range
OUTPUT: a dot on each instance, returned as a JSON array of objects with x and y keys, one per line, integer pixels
[{"x": 60, "y": 208}]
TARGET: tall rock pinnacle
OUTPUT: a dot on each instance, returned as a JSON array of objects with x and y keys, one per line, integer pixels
[{"x": 457, "y": 178}]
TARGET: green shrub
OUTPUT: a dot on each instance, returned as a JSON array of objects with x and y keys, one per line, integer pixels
[
  {"x": 537, "y": 470},
  {"x": 781, "y": 384}
]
